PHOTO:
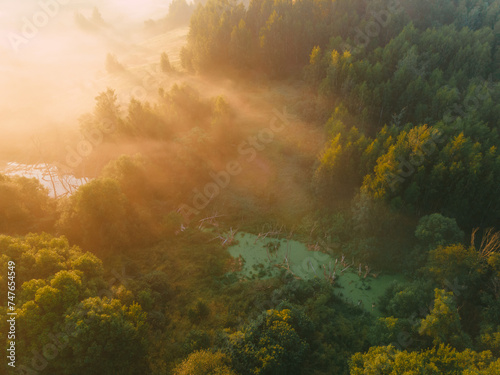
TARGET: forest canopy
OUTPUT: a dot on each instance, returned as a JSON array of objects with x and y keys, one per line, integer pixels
[{"x": 385, "y": 163}]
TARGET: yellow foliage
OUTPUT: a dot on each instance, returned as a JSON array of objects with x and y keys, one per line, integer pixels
[
  {"x": 335, "y": 57},
  {"x": 315, "y": 55},
  {"x": 331, "y": 153}
]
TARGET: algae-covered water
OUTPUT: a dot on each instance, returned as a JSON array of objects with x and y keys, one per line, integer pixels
[{"x": 265, "y": 257}]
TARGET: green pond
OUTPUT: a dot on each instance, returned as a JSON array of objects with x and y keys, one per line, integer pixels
[{"x": 265, "y": 257}]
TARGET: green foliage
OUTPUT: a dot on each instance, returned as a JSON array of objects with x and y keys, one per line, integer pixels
[
  {"x": 408, "y": 77},
  {"x": 51, "y": 278},
  {"x": 468, "y": 273},
  {"x": 436, "y": 230},
  {"x": 241, "y": 43},
  {"x": 25, "y": 206},
  {"x": 191, "y": 127},
  {"x": 273, "y": 344},
  {"x": 314, "y": 71},
  {"x": 197, "y": 340},
  {"x": 394, "y": 167},
  {"x": 205, "y": 362},
  {"x": 105, "y": 120},
  {"x": 199, "y": 312},
  {"x": 455, "y": 262},
  {"x": 338, "y": 173},
  {"x": 144, "y": 121},
  {"x": 97, "y": 216},
  {"x": 130, "y": 173},
  {"x": 280, "y": 36},
  {"x": 406, "y": 300},
  {"x": 259, "y": 37},
  {"x": 438, "y": 360},
  {"x": 490, "y": 340},
  {"x": 89, "y": 264},
  {"x": 41, "y": 256},
  {"x": 108, "y": 337},
  {"x": 70, "y": 286},
  {"x": 410, "y": 165},
  {"x": 210, "y": 33},
  {"x": 172, "y": 222},
  {"x": 386, "y": 331},
  {"x": 443, "y": 322},
  {"x": 340, "y": 330}
]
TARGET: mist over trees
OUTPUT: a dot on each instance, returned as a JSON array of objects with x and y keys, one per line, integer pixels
[{"x": 390, "y": 166}]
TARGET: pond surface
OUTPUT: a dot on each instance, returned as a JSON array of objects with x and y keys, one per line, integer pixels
[
  {"x": 265, "y": 257},
  {"x": 59, "y": 184}
]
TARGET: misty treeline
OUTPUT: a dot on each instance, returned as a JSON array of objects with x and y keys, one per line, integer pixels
[
  {"x": 408, "y": 96},
  {"x": 179, "y": 14},
  {"x": 92, "y": 23}
]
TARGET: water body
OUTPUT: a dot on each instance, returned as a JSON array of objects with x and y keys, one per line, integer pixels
[
  {"x": 59, "y": 184},
  {"x": 264, "y": 258}
]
